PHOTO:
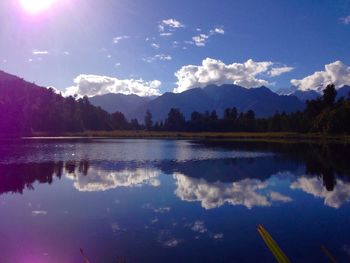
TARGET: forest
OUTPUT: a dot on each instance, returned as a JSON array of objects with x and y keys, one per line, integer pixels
[
  {"x": 26, "y": 108},
  {"x": 322, "y": 115}
]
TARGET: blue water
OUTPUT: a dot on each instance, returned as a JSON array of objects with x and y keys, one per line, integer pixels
[{"x": 171, "y": 201}]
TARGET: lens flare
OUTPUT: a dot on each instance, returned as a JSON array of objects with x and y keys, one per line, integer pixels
[{"x": 34, "y": 7}]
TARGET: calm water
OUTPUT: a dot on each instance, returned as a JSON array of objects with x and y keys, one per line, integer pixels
[{"x": 171, "y": 201}]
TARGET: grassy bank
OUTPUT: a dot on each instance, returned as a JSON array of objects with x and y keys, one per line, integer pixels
[{"x": 255, "y": 136}]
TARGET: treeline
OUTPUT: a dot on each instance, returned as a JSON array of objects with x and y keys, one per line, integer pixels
[
  {"x": 324, "y": 115},
  {"x": 26, "y": 108}
]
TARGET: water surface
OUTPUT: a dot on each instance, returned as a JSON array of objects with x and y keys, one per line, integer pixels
[{"x": 171, "y": 200}]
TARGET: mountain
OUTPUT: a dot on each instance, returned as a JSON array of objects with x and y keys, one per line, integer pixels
[
  {"x": 26, "y": 108},
  {"x": 119, "y": 102},
  {"x": 306, "y": 95},
  {"x": 261, "y": 100},
  {"x": 311, "y": 94},
  {"x": 287, "y": 91},
  {"x": 343, "y": 92}
]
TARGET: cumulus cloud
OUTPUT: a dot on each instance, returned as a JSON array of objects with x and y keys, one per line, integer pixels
[
  {"x": 216, "y": 72},
  {"x": 101, "y": 180},
  {"x": 37, "y": 52},
  {"x": 116, "y": 40},
  {"x": 169, "y": 24},
  {"x": 161, "y": 57},
  {"x": 92, "y": 85},
  {"x": 314, "y": 186},
  {"x": 346, "y": 20},
  {"x": 336, "y": 73},
  {"x": 213, "y": 195}
]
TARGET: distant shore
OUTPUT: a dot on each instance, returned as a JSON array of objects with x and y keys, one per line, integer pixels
[{"x": 253, "y": 136}]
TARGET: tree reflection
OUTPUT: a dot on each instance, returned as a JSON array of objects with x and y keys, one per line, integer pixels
[
  {"x": 305, "y": 161},
  {"x": 15, "y": 178},
  {"x": 327, "y": 161}
]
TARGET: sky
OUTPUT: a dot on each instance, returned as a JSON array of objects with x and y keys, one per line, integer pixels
[{"x": 148, "y": 47}]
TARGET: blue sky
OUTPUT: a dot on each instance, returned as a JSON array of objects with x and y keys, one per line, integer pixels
[{"x": 121, "y": 39}]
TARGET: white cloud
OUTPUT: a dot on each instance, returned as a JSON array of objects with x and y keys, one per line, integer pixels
[
  {"x": 200, "y": 40},
  {"x": 166, "y": 34},
  {"x": 92, "y": 85},
  {"x": 116, "y": 40},
  {"x": 336, "y": 73},
  {"x": 169, "y": 24},
  {"x": 274, "y": 72},
  {"x": 315, "y": 187},
  {"x": 156, "y": 46},
  {"x": 37, "y": 52},
  {"x": 161, "y": 57},
  {"x": 346, "y": 20},
  {"x": 217, "y": 30},
  {"x": 216, "y": 72}
]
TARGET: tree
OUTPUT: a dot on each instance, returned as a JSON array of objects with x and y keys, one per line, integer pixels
[
  {"x": 329, "y": 95},
  {"x": 230, "y": 114},
  {"x": 175, "y": 121},
  {"x": 249, "y": 115},
  {"x": 148, "y": 120},
  {"x": 213, "y": 116}
]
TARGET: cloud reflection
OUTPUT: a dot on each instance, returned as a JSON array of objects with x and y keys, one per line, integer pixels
[
  {"x": 314, "y": 186},
  {"x": 102, "y": 180},
  {"x": 212, "y": 195}
]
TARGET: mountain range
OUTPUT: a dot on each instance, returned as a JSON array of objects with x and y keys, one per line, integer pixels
[
  {"x": 311, "y": 94},
  {"x": 261, "y": 100}
]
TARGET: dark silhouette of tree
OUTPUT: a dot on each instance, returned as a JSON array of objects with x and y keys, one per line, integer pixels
[
  {"x": 329, "y": 95},
  {"x": 175, "y": 121},
  {"x": 148, "y": 120}
]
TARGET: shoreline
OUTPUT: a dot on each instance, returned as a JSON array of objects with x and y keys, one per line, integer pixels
[{"x": 244, "y": 136}]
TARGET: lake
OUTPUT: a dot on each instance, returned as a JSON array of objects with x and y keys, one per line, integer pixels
[{"x": 172, "y": 200}]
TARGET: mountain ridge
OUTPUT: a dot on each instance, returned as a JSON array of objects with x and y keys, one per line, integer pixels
[{"x": 262, "y": 101}]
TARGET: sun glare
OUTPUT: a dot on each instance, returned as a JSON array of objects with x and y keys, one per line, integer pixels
[{"x": 36, "y": 6}]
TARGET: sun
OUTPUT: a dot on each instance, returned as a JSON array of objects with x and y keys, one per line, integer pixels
[{"x": 34, "y": 7}]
